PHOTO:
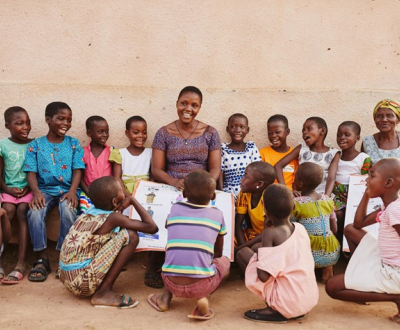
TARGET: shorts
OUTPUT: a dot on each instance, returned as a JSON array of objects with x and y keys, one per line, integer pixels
[
  {"x": 205, "y": 286},
  {"x": 6, "y": 198}
]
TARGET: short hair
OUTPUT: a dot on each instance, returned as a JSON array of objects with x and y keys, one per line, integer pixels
[
  {"x": 191, "y": 89},
  {"x": 276, "y": 118},
  {"x": 199, "y": 187},
  {"x": 102, "y": 191},
  {"x": 355, "y": 126},
  {"x": 132, "y": 119},
  {"x": 11, "y": 111},
  {"x": 54, "y": 107},
  {"x": 390, "y": 166},
  {"x": 310, "y": 174},
  {"x": 239, "y": 115},
  {"x": 91, "y": 120},
  {"x": 321, "y": 123},
  {"x": 278, "y": 200},
  {"x": 263, "y": 172}
]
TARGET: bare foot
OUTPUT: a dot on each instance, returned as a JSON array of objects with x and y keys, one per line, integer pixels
[
  {"x": 108, "y": 298},
  {"x": 159, "y": 302},
  {"x": 203, "y": 307}
]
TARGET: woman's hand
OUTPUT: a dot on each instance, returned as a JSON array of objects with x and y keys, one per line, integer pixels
[{"x": 178, "y": 184}]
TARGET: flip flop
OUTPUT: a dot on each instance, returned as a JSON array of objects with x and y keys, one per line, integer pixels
[
  {"x": 256, "y": 316},
  {"x": 125, "y": 303},
  {"x": 16, "y": 274},
  {"x": 206, "y": 317},
  {"x": 152, "y": 300},
  {"x": 2, "y": 273}
]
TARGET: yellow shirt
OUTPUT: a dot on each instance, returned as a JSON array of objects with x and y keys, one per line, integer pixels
[
  {"x": 256, "y": 215},
  {"x": 271, "y": 156}
]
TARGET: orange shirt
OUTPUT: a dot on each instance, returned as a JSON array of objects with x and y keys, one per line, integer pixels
[{"x": 271, "y": 156}]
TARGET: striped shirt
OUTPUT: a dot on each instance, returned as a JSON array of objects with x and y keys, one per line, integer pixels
[
  {"x": 389, "y": 239},
  {"x": 192, "y": 233}
]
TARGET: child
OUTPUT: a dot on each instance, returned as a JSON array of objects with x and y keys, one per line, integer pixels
[
  {"x": 95, "y": 157},
  {"x": 100, "y": 244},
  {"x": 373, "y": 273},
  {"x": 5, "y": 235},
  {"x": 194, "y": 266},
  {"x": 54, "y": 165},
  {"x": 278, "y": 130},
  {"x": 315, "y": 212},
  {"x": 236, "y": 155},
  {"x": 132, "y": 163},
  {"x": 281, "y": 272},
  {"x": 351, "y": 162},
  {"x": 257, "y": 177},
  {"x": 16, "y": 194},
  {"x": 314, "y": 150}
]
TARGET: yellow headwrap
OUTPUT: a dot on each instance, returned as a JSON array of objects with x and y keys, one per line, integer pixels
[{"x": 388, "y": 104}]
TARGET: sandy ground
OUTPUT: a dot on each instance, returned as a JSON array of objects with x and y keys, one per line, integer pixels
[{"x": 49, "y": 305}]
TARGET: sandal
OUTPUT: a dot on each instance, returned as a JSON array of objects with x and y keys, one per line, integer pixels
[
  {"x": 39, "y": 270},
  {"x": 153, "y": 280},
  {"x": 396, "y": 318},
  {"x": 196, "y": 316},
  {"x": 255, "y": 315},
  {"x": 152, "y": 300},
  {"x": 13, "y": 278},
  {"x": 58, "y": 274},
  {"x": 125, "y": 303}
]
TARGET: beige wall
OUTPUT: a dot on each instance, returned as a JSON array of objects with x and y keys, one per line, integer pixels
[{"x": 117, "y": 58}]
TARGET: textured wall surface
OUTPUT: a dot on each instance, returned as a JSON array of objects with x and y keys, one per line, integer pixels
[{"x": 118, "y": 58}]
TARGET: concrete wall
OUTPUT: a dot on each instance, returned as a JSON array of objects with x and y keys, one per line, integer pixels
[{"x": 117, "y": 58}]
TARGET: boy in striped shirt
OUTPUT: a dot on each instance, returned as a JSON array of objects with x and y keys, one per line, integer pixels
[{"x": 194, "y": 266}]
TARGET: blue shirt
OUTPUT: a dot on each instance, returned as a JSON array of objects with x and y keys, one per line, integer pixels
[{"x": 54, "y": 163}]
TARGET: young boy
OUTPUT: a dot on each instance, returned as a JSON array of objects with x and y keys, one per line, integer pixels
[
  {"x": 194, "y": 266},
  {"x": 53, "y": 165},
  {"x": 278, "y": 130},
  {"x": 373, "y": 273}
]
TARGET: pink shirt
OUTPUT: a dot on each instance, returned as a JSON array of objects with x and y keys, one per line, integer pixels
[
  {"x": 96, "y": 167},
  {"x": 292, "y": 288},
  {"x": 389, "y": 239}
]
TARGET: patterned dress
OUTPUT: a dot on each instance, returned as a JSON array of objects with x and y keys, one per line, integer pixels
[
  {"x": 85, "y": 258},
  {"x": 315, "y": 217},
  {"x": 234, "y": 163},
  {"x": 372, "y": 149}
]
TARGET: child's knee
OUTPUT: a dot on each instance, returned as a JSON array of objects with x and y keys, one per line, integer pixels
[
  {"x": 22, "y": 210},
  {"x": 348, "y": 229}
]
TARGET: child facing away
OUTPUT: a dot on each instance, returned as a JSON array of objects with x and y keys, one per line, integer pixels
[
  {"x": 132, "y": 164},
  {"x": 250, "y": 204},
  {"x": 100, "y": 244},
  {"x": 281, "y": 272},
  {"x": 373, "y": 272},
  {"x": 316, "y": 213},
  {"x": 16, "y": 194},
  {"x": 278, "y": 130},
  {"x": 194, "y": 266},
  {"x": 236, "y": 155},
  {"x": 54, "y": 165},
  {"x": 351, "y": 162},
  {"x": 95, "y": 156},
  {"x": 315, "y": 151}
]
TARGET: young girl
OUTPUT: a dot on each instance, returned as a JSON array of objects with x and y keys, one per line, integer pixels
[
  {"x": 236, "y": 155},
  {"x": 315, "y": 212},
  {"x": 100, "y": 244},
  {"x": 95, "y": 156},
  {"x": 373, "y": 273},
  {"x": 132, "y": 163},
  {"x": 351, "y": 162},
  {"x": 314, "y": 150},
  {"x": 257, "y": 177},
  {"x": 281, "y": 272},
  {"x": 16, "y": 194}
]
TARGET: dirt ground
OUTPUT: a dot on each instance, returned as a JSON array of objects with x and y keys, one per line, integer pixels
[{"x": 49, "y": 305}]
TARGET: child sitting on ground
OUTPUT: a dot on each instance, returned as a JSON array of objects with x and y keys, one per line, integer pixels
[
  {"x": 95, "y": 157},
  {"x": 281, "y": 272},
  {"x": 16, "y": 194},
  {"x": 194, "y": 266},
  {"x": 278, "y": 130},
  {"x": 315, "y": 151},
  {"x": 257, "y": 177},
  {"x": 236, "y": 155},
  {"x": 100, "y": 244},
  {"x": 54, "y": 165},
  {"x": 315, "y": 212},
  {"x": 132, "y": 164},
  {"x": 373, "y": 273}
]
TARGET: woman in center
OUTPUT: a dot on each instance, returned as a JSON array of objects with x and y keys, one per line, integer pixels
[{"x": 179, "y": 148}]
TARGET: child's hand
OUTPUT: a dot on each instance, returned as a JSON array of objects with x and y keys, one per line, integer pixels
[
  {"x": 122, "y": 205},
  {"x": 296, "y": 193},
  {"x": 72, "y": 200},
  {"x": 24, "y": 191},
  {"x": 12, "y": 191},
  {"x": 38, "y": 201},
  {"x": 178, "y": 184}
]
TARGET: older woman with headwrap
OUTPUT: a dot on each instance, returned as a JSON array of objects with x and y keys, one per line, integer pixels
[{"x": 385, "y": 143}]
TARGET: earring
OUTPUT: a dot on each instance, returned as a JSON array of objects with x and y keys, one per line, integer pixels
[{"x": 258, "y": 187}]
